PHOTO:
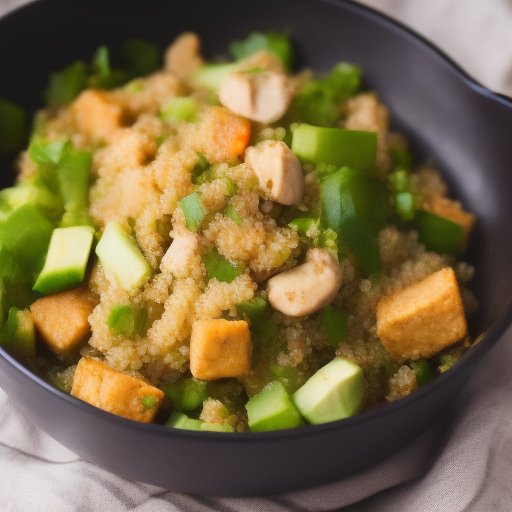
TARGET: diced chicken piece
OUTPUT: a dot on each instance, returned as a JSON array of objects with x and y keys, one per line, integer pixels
[
  {"x": 182, "y": 251},
  {"x": 62, "y": 318},
  {"x": 422, "y": 319},
  {"x": 304, "y": 289},
  {"x": 278, "y": 170},
  {"x": 452, "y": 210},
  {"x": 115, "y": 392},
  {"x": 220, "y": 136},
  {"x": 260, "y": 96},
  {"x": 220, "y": 348},
  {"x": 184, "y": 55},
  {"x": 95, "y": 116}
]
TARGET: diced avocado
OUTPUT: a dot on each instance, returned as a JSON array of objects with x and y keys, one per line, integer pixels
[
  {"x": 216, "y": 427},
  {"x": 26, "y": 234},
  {"x": 334, "y": 392},
  {"x": 272, "y": 409},
  {"x": 212, "y": 75},
  {"x": 122, "y": 261},
  {"x": 66, "y": 260},
  {"x": 19, "y": 336},
  {"x": 182, "y": 421}
]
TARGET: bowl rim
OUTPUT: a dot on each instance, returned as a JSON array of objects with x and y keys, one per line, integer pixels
[{"x": 478, "y": 350}]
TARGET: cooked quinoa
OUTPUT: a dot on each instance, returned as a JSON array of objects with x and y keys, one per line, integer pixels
[{"x": 145, "y": 161}]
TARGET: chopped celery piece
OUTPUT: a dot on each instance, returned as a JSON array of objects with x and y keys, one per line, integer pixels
[
  {"x": 140, "y": 58},
  {"x": 404, "y": 203},
  {"x": 252, "y": 309},
  {"x": 180, "y": 109},
  {"x": 232, "y": 214},
  {"x": 194, "y": 211},
  {"x": 121, "y": 259},
  {"x": 335, "y": 323},
  {"x": 12, "y": 127},
  {"x": 272, "y": 409},
  {"x": 216, "y": 427},
  {"x": 302, "y": 224},
  {"x": 149, "y": 401},
  {"x": 186, "y": 395},
  {"x": 352, "y": 148},
  {"x": 66, "y": 260},
  {"x": 26, "y": 234},
  {"x": 120, "y": 320},
  {"x": 18, "y": 336},
  {"x": 212, "y": 75},
  {"x": 273, "y": 42},
  {"x": 334, "y": 392},
  {"x": 201, "y": 166},
  {"x": 287, "y": 375},
  {"x": 356, "y": 206},
  {"x": 183, "y": 422},
  {"x": 422, "y": 371},
  {"x": 64, "y": 86},
  {"x": 218, "y": 267},
  {"x": 438, "y": 233}
]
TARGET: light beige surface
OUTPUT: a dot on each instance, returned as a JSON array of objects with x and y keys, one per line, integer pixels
[{"x": 464, "y": 462}]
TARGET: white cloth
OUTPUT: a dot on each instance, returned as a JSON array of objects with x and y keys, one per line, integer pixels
[{"x": 463, "y": 463}]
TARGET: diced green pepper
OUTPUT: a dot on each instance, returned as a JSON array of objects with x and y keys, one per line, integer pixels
[
  {"x": 447, "y": 361},
  {"x": 356, "y": 206},
  {"x": 12, "y": 127},
  {"x": 140, "y": 58},
  {"x": 180, "y": 109},
  {"x": 65, "y": 86},
  {"x": 202, "y": 166},
  {"x": 19, "y": 337},
  {"x": 273, "y": 42},
  {"x": 183, "y": 422},
  {"x": 344, "y": 79},
  {"x": 288, "y": 376},
  {"x": 186, "y": 395},
  {"x": 422, "y": 371},
  {"x": 26, "y": 234},
  {"x": 302, "y": 224},
  {"x": 194, "y": 211},
  {"x": 220, "y": 268},
  {"x": 316, "y": 105},
  {"x": 438, "y": 233},
  {"x": 252, "y": 309},
  {"x": 212, "y": 75},
  {"x": 352, "y": 148},
  {"x": 401, "y": 158},
  {"x": 335, "y": 323},
  {"x": 121, "y": 321},
  {"x": 149, "y": 401},
  {"x": 104, "y": 77}
]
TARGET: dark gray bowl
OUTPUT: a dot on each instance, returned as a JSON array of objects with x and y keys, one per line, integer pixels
[{"x": 464, "y": 128}]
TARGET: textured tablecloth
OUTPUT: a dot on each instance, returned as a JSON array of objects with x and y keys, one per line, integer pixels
[{"x": 464, "y": 462}]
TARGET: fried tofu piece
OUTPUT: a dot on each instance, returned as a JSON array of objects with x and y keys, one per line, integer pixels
[
  {"x": 115, "y": 392},
  {"x": 62, "y": 318},
  {"x": 422, "y": 319},
  {"x": 452, "y": 210},
  {"x": 96, "y": 116},
  {"x": 220, "y": 348}
]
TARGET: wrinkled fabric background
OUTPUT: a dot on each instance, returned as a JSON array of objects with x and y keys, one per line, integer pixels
[{"x": 463, "y": 463}]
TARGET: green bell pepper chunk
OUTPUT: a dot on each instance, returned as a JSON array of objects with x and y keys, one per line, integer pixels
[
  {"x": 232, "y": 214},
  {"x": 335, "y": 323},
  {"x": 194, "y": 211},
  {"x": 252, "y": 309},
  {"x": 12, "y": 127},
  {"x": 18, "y": 336},
  {"x": 422, "y": 371},
  {"x": 302, "y": 224},
  {"x": 64, "y": 86},
  {"x": 356, "y": 206},
  {"x": 352, "y": 148},
  {"x": 140, "y": 58},
  {"x": 180, "y": 109},
  {"x": 220, "y": 268},
  {"x": 186, "y": 395},
  {"x": 438, "y": 233}
]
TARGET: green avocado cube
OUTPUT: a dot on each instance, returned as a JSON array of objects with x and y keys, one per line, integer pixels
[
  {"x": 271, "y": 409},
  {"x": 66, "y": 260},
  {"x": 334, "y": 392},
  {"x": 121, "y": 259},
  {"x": 183, "y": 422}
]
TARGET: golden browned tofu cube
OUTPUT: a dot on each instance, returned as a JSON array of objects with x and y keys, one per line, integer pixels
[
  {"x": 422, "y": 319},
  {"x": 452, "y": 210},
  {"x": 97, "y": 117},
  {"x": 115, "y": 392},
  {"x": 62, "y": 318},
  {"x": 220, "y": 348}
]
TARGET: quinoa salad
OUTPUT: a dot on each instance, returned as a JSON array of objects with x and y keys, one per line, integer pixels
[{"x": 226, "y": 246}]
